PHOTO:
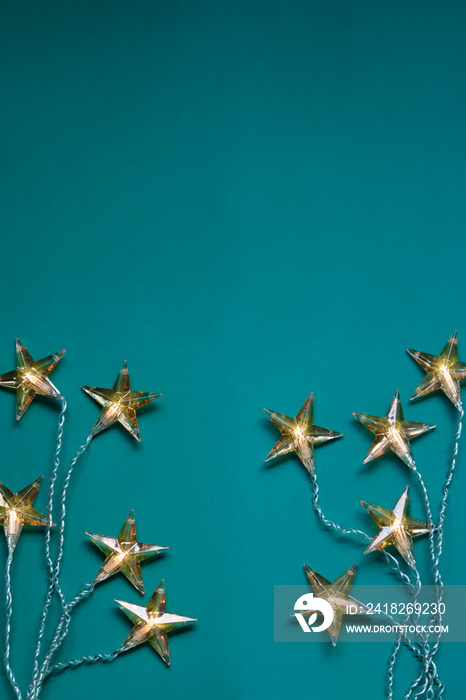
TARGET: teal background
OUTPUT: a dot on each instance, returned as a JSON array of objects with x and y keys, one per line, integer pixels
[{"x": 247, "y": 201}]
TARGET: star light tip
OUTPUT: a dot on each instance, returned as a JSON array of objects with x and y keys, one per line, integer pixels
[
  {"x": 408, "y": 459},
  {"x": 354, "y": 567},
  {"x": 11, "y": 541},
  {"x": 410, "y": 560}
]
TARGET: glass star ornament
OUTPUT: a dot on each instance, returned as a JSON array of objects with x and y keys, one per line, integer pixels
[
  {"x": 124, "y": 553},
  {"x": 396, "y": 527},
  {"x": 152, "y": 623},
  {"x": 392, "y": 432},
  {"x": 31, "y": 378},
  {"x": 119, "y": 404},
  {"x": 299, "y": 434},
  {"x": 337, "y": 594},
  {"x": 443, "y": 372},
  {"x": 16, "y": 510}
]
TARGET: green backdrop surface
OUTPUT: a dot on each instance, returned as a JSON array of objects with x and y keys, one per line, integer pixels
[{"x": 247, "y": 201}]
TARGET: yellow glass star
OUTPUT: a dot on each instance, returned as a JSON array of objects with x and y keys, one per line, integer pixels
[
  {"x": 392, "y": 432},
  {"x": 16, "y": 510},
  {"x": 119, "y": 404},
  {"x": 337, "y": 594},
  {"x": 299, "y": 434},
  {"x": 124, "y": 554},
  {"x": 31, "y": 378},
  {"x": 396, "y": 527},
  {"x": 151, "y": 624},
  {"x": 443, "y": 372}
]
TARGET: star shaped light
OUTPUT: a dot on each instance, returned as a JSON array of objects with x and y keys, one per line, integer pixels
[
  {"x": 16, "y": 510},
  {"x": 299, "y": 434},
  {"x": 337, "y": 594},
  {"x": 119, "y": 404},
  {"x": 396, "y": 527},
  {"x": 124, "y": 554},
  {"x": 151, "y": 624},
  {"x": 31, "y": 378},
  {"x": 443, "y": 372},
  {"x": 392, "y": 432}
]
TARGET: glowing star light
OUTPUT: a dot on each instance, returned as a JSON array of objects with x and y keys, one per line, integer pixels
[
  {"x": 16, "y": 510},
  {"x": 31, "y": 378},
  {"x": 337, "y": 594},
  {"x": 119, "y": 404},
  {"x": 396, "y": 527},
  {"x": 443, "y": 372},
  {"x": 392, "y": 432},
  {"x": 124, "y": 554},
  {"x": 299, "y": 434},
  {"x": 151, "y": 624}
]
